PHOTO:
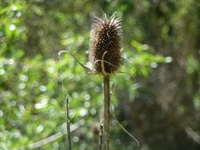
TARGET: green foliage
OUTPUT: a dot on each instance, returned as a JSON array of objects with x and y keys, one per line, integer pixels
[{"x": 34, "y": 81}]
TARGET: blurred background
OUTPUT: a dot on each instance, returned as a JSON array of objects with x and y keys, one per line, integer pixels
[{"x": 156, "y": 98}]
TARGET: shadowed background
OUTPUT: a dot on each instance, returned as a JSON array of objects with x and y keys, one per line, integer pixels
[{"x": 157, "y": 98}]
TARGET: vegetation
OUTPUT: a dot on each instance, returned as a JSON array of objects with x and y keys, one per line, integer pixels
[{"x": 156, "y": 98}]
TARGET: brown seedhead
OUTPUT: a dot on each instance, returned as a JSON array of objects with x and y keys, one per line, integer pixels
[{"x": 105, "y": 47}]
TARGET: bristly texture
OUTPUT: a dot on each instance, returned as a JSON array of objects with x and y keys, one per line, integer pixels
[{"x": 105, "y": 46}]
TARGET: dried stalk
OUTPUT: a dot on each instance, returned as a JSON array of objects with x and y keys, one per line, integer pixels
[
  {"x": 105, "y": 57},
  {"x": 106, "y": 79},
  {"x": 68, "y": 124},
  {"x": 101, "y": 137}
]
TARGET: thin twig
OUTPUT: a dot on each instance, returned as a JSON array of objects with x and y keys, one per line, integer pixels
[
  {"x": 101, "y": 137},
  {"x": 68, "y": 124},
  {"x": 52, "y": 138},
  {"x": 84, "y": 66},
  {"x": 106, "y": 79},
  {"x": 138, "y": 143},
  {"x": 112, "y": 112}
]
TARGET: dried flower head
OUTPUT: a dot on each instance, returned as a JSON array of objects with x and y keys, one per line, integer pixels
[{"x": 105, "y": 46}]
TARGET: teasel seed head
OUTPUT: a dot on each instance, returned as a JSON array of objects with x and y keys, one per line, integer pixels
[{"x": 105, "y": 45}]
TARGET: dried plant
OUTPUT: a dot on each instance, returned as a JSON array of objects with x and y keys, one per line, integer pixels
[
  {"x": 105, "y": 57},
  {"x": 105, "y": 46}
]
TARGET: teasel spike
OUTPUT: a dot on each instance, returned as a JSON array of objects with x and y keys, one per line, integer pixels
[
  {"x": 105, "y": 45},
  {"x": 105, "y": 17}
]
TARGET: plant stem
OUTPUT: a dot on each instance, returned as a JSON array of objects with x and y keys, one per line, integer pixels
[
  {"x": 106, "y": 111},
  {"x": 101, "y": 137},
  {"x": 68, "y": 124}
]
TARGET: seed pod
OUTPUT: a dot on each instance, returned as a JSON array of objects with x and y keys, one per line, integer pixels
[{"x": 105, "y": 47}]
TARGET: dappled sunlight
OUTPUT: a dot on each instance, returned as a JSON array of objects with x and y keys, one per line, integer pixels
[{"x": 155, "y": 92}]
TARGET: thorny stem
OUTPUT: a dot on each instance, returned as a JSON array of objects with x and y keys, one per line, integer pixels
[
  {"x": 106, "y": 79},
  {"x": 103, "y": 137}
]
